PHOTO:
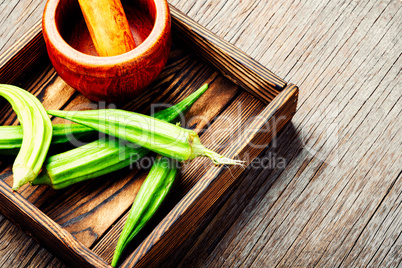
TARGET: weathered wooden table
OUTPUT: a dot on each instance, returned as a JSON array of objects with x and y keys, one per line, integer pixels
[{"x": 329, "y": 190}]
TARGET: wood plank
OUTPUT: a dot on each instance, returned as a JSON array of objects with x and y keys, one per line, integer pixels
[
  {"x": 21, "y": 53},
  {"x": 232, "y": 62},
  {"x": 12, "y": 255},
  {"x": 373, "y": 245},
  {"x": 17, "y": 17}
]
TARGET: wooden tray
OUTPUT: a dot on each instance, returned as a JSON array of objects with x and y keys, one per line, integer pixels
[{"x": 238, "y": 116}]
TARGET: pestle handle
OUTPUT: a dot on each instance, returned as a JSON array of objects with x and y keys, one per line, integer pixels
[{"x": 108, "y": 26}]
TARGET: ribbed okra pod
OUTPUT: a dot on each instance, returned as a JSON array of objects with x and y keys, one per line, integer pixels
[
  {"x": 104, "y": 155},
  {"x": 156, "y": 135},
  {"x": 11, "y": 136},
  {"x": 149, "y": 198},
  {"x": 37, "y": 133}
]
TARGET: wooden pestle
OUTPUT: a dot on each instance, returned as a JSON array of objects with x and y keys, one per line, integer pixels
[{"x": 108, "y": 26}]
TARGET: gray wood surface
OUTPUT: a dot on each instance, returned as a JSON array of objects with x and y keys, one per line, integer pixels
[{"x": 330, "y": 191}]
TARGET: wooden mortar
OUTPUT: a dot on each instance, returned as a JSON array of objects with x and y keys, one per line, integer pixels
[{"x": 111, "y": 78}]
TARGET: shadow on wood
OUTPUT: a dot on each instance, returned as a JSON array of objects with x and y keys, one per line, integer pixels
[{"x": 227, "y": 211}]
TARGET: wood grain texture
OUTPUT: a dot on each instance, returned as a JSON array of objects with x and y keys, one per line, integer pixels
[
  {"x": 22, "y": 54},
  {"x": 227, "y": 58},
  {"x": 336, "y": 202}
]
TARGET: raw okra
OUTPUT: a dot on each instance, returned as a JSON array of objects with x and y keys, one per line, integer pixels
[
  {"x": 102, "y": 156},
  {"x": 149, "y": 198},
  {"x": 11, "y": 136},
  {"x": 37, "y": 133}
]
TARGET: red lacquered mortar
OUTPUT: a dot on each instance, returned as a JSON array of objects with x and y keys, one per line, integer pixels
[{"x": 112, "y": 78}]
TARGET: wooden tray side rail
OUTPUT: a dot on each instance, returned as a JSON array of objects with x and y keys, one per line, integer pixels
[
  {"x": 228, "y": 59},
  {"x": 19, "y": 57},
  {"x": 43, "y": 229},
  {"x": 199, "y": 200}
]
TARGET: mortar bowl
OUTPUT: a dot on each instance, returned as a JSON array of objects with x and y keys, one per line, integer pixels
[{"x": 112, "y": 78}]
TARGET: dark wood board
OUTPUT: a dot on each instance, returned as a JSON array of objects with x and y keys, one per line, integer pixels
[{"x": 71, "y": 226}]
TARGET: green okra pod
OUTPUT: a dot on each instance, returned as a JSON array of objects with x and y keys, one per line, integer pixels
[
  {"x": 156, "y": 135},
  {"x": 149, "y": 198},
  {"x": 37, "y": 133},
  {"x": 11, "y": 136},
  {"x": 102, "y": 156}
]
